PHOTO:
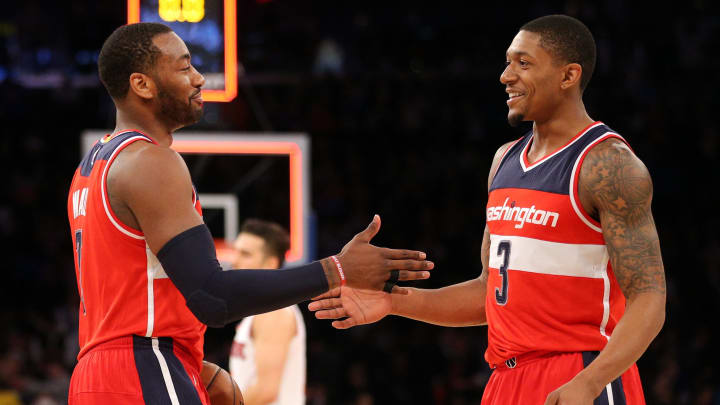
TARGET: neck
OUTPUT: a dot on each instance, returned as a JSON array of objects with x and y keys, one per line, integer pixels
[
  {"x": 566, "y": 122},
  {"x": 144, "y": 120}
]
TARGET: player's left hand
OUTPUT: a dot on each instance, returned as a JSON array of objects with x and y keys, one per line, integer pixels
[{"x": 575, "y": 392}]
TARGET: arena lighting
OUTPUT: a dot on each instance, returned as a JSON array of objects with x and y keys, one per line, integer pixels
[{"x": 172, "y": 13}]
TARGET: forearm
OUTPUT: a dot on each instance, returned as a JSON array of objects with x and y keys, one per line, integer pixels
[
  {"x": 218, "y": 297},
  {"x": 460, "y": 304},
  {"x": 642, "y": 321}
]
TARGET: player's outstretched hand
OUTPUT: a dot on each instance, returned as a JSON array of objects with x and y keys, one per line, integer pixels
[
  {"x": 359, "y": 307},
  {"x": 370, "y": 267}
]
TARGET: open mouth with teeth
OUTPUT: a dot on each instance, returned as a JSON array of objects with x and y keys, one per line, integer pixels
[{"x": 512, "y": 97}]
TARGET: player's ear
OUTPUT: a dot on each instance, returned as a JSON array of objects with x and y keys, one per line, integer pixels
[
  {"x": 571, "y": 74},
  {"x": 142, "y": 85},
  {"x": 271, "y": 262}
]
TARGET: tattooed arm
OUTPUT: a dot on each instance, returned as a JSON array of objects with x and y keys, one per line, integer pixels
[{"x": 615, "y": 187}]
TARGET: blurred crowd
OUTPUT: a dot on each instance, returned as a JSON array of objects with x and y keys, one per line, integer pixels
[{"x": 405, "y": 111}]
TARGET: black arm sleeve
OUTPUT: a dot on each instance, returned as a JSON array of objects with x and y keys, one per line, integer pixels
[{"x": 218, "y": 297}]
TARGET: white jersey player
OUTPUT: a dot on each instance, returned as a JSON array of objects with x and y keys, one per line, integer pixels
[{"x": 267, "y": 359}]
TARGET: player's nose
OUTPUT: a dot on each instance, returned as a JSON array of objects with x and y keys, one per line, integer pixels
[
  {"x": 507, "y": 75},
  {"x": 199, "y": 79}
]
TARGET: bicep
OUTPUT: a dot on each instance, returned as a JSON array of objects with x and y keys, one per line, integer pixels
[
  {"x": 156, "y": 187},
  {"x": 620, "y": 190}
]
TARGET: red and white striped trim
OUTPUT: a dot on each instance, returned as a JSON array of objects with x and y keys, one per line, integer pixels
[
  {"x": 126, "y": 230},
  {"x": 560, "y": 259},
  {"x": 552, "y": 258},
  {"x": 575, "y": 178},
  {"x": 523, "y": 155},
  {"x": 606, "y": 303}
]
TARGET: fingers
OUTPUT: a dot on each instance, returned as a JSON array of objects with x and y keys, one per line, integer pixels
[
  {"x": 405, "y": 275},
  {"x": 335, "y": 292},
  {"x": 344, "y": 324},
  {"x": 410, "y": 265},
  {"x": 400, "y": 290},
  {"x": 327, "y": 303},
  {"x": 334, "y": 313},
  {"x": 399, "y": 254},
  {"x": 370, "y": 232}
]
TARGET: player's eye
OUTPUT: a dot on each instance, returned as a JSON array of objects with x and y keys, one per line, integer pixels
[{"x": 524, "y": 63}]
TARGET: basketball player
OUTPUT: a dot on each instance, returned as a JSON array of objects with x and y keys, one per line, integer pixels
[
  {"x": 267, "y": 358},
  {"x": 147, "y": 274},
  {"x": 572, "y": 287}
]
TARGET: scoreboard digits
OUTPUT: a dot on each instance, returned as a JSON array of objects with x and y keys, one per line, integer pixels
[{"x": 181, "y": 10}]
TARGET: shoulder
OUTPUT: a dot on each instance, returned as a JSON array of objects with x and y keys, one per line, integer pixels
[
  {"x": 613, "y": 177},
  {"x": 144, "y": 165},
  {"x": 146, "y": 155},
  {"x": 279, "y": 322},
  {"x": 610, "y": 158}
]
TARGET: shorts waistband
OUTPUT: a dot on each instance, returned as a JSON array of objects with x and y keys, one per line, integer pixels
[
  {"x": 522, "y": 359},
  {"x": 138, "y": 342}
]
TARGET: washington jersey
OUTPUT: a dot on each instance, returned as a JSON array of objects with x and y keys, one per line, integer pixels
[
  {"x": 123, "y": 288},
  {"x": 243, "y": 367},
  {"x": 551, "y": 287}
]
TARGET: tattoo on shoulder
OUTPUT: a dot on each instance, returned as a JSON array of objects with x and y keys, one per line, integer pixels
[{"x": 619, "y": 189}]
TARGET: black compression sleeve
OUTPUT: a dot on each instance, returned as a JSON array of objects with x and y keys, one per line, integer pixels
[{"x": 217, "y": 297}]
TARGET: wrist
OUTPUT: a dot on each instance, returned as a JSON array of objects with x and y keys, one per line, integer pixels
[
  {"x": 331, "y": 273},
  {"x": 592, "y": 382},
  {"x": 340, "y": 272},
  {"x": 396, "y": 303}
]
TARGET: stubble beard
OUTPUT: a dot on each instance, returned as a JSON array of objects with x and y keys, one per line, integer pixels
[
  {"x": 175, "y": 111},
  {"x": 515, "y": 119}
]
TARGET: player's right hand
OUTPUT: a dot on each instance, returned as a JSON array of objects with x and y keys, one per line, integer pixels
[
  {"x": 358, "y": 307},
  {"x": 368, "y": 267}
]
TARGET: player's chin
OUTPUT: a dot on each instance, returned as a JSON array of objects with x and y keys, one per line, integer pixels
[
  {"x": 515, "y": 118},
  {"x": 197, "y": 114}
]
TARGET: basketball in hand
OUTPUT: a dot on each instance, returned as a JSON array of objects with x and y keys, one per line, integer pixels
[{"x": 220, "y": 386}]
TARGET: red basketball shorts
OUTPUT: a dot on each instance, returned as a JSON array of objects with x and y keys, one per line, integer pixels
[
  {"x": 529, "y": 379},
  {"x": 136, "y": 370}
]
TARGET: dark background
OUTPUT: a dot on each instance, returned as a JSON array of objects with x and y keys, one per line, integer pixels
[{"x": 405, "y": 125}]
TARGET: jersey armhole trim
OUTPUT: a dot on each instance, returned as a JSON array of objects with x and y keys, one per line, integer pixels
[
  {"x": 123, "y": 228},
  {"x": 502, "y": 158},
  {"x": 575, "y": 180}
]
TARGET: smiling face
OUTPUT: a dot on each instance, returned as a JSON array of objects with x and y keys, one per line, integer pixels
[
  {"x": 532, "y": 79},
  {"x": 178, "y": 83}
]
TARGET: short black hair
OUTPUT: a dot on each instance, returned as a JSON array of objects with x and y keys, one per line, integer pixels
[
  {"x": 277, "y": 240},
  {"x": 129, "y": 49},
  {"x": 567, "y": 39}
]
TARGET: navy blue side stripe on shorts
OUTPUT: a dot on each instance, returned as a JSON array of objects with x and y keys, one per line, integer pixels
[
  {"x": 616, "y": 387},
  {"x": 152, "y": 355}
]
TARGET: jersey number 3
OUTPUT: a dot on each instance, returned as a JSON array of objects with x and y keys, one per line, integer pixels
[{"x": 501, "y": 296}]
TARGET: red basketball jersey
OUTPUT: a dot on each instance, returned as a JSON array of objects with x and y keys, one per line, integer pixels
[
  {"x": 550, "y": 287},
  {"x": 123, "y": 288}
]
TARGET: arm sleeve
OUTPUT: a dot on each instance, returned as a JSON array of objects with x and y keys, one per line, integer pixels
[{"x": 218, "y": 297}]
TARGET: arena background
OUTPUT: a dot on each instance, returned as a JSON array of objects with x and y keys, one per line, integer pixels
[{"x": 405, "y": 111}]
